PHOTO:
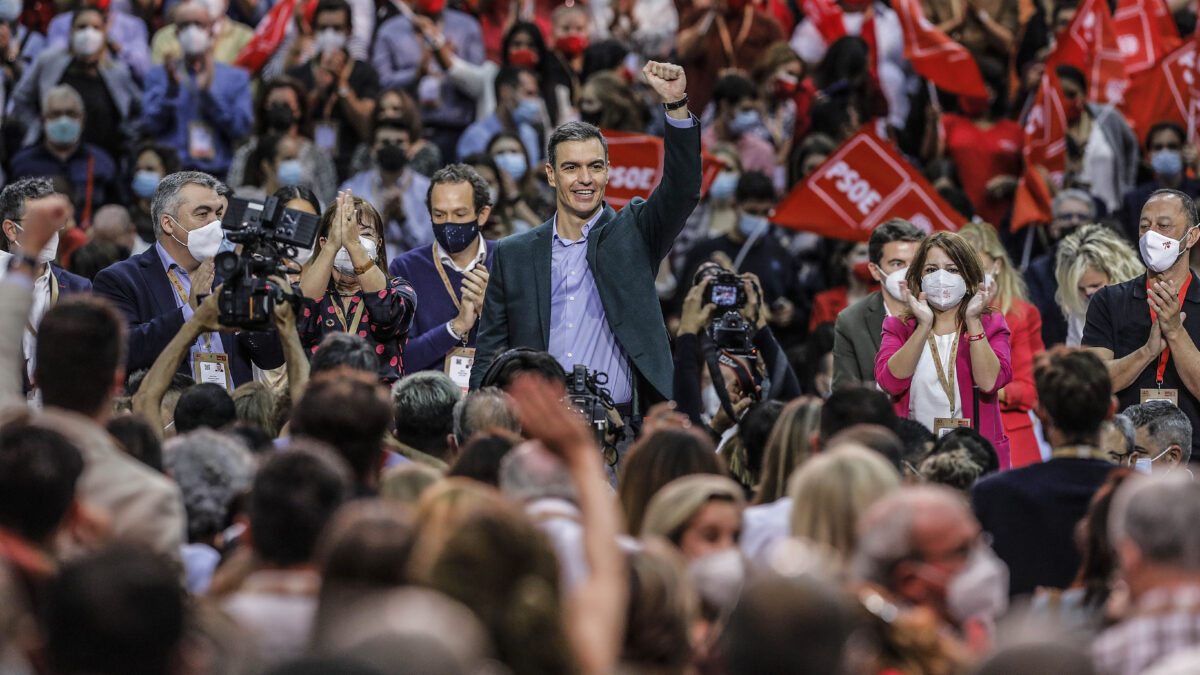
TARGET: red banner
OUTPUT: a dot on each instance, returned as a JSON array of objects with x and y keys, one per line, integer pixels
[
  {"x": 1090, "y": 44},
  {"x": 268, "y": 35},
  {"x": 864, "y": 183},
  {"x": 635, "y": 166},
  {"x": 1145, "y": 33},
  {"x": 1169, "y": 92},
  {"x": 935, "y": 56},
  {"x": 1045, "y": 146}
]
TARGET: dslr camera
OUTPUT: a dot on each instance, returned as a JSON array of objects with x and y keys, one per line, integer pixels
[
  {"x": 725, "y": 290},
  {"x": 268, "y": 232}
]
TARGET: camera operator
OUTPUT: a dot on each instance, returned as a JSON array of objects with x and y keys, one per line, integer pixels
[
  {"x": 741, "y": 373},
  {"x": 161, "y": 288},
  {"x": 346, "y": 288}
]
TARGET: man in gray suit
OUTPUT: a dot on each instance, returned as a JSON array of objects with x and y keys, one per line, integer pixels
[
  {"x": 856, "y": 335},
  {"x": 581, "y": 285}
]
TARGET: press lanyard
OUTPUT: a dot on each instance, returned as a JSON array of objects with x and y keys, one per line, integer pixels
[
  {"x": 1079, "y": 452},
  {"x": 53, "y": 299},
  {"x": 1166, "y": 352},
  {"x": 947, "y": 382},
  {"x": 437, "y": 262},
  {"x": 183, "y": 297},
  {"x": 358, "y": 312}
]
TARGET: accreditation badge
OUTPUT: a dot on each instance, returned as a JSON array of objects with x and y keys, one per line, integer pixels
[{"x": 458, "y": 366}]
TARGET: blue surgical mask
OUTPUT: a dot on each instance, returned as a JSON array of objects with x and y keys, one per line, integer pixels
[
  {"x": 144, "y": 183},
  {"x": 9, "y": 10},
  {"x": 1167, "y": 163},
  {"x": 289, "y": 172},
  {"x": 528, "y": 111},
  {"x": 63, "y": 130},
  {"x": 749, "y": 224},
  {"x": 723, "y": 186},
  {"x": 743, "y": 122},
  {"x": 512, "y": 163}
]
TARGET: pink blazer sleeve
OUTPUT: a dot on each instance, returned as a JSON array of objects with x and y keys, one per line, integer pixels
[
  {"x": 895, "y": 334},
  {"x": 998, "y": 337}
]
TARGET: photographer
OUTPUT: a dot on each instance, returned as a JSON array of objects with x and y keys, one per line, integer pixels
[
  {"x": 161, "y": 288},
  {"x": 346, "y": 288},
  {"x": 730, "y": 367}
]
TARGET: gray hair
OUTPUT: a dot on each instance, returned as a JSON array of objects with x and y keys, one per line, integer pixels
[
  {"x": 530, "y": 472},
  {"x": 885, "y": 531},
  {"x": 344, "y": 349},
  {"x": 211, "y": 469},
  {"x": 1077, "y": 195},
  {"x": 167, "y": 195},
  {"x": 460, "y": 173},
  {"x": 573, "y": 131},
  {"x": 63, "y": 91},
  {"x": 481, "y": 409},
  {"x": 1125, "y": 425},
  {"x": 1166, "y": 424},
  {"x": 1159, "y": 516},
  {"x": 426, "y": 396},
  {"x": 14, "y": 195}
]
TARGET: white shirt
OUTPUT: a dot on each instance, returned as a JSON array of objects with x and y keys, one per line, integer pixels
[
  {"x": 763, "y": 525},
  {"x": 41, "y": 305},
  {"x": 447, "y": 260},
  {"x": 1100, "y": 169},
  {"x": 926, "y": 398}
]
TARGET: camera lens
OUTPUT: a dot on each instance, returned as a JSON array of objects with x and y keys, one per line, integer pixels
[{"x": 226, "y": 263}]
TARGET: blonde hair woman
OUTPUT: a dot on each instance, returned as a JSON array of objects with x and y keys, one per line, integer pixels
[
  {"x": 1009, "y": 296},
  {"x": 700, "y": 513},
  {"x": 832, "y": 490},
  {"x": 1091, "y": 258},
  {"x": 788, "y": 446}
]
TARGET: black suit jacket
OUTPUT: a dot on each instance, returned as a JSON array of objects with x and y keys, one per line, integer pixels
[
  {"x": 141, "y": 291},
  {"x": 624, "y": 250}
]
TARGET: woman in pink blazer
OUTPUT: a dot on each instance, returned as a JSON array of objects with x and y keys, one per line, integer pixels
[{"x": 947, "y": 321}]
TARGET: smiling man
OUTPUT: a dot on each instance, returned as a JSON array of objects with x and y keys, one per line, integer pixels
[{"x": 581, "y": 285}]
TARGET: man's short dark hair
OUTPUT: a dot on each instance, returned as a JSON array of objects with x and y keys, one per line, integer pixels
[
  {"x": 460, "y": 173},
  {"x": 754, "y": 186},
  {"x": 344, "y": 349},
  {"x": 1074, "y": 75},
  {"x": 1075, "y": 390},
  {"x": 335, "y": 6},
  {"x": 508, "y": 76},
  {"x": 733, "y": 89},
  {"x": 1185, "y": 201},
  {"x": 1174, "y": 127},
  {"x": 896, "y": 229},
  {"x": 138, "y": 439},
  {"x": 80, "y": 348},
  {"x": 348, "y": 415},
  {"x": 204, "y": 405},
  {"x": 38, "y": 470},
  {"x": 754, "y": 429},
  {"x": 853, "y": 405},
  {"x": 393, "y": 123},
  {"x": 14, "y": 195},
  {"x": 423, "y": 406},
  {"x": 507, "y": 366},
  {"x": 573, "y": 131},
  {"x": 116, "y": 612},
  {"x": 295, "y": 492}
]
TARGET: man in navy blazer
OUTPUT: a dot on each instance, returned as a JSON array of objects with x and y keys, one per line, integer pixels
[
  {"x": 51, "y": 282},
  {"x": 160, "y": 288},
  {"x": 581, "y": 286}
]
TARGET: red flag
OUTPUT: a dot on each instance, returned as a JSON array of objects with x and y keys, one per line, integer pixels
[
  {"x": 1045, "y": 146},
  {"x": 636, "y": 164},
  {"x": 935, "y": 56},
  {"x": 1168, "y": 92},
  {"x": 1090, "y": 44},
  {"x": 862, "y": 184},
  {"x": 268, "y": 35},
  {"x": 1145, "y": 33}
]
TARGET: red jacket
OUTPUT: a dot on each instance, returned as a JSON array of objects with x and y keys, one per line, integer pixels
[{"x": 1020, "y": 396}]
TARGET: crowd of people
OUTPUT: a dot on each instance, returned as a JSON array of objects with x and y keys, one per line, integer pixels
[{"x": 483, "y": 421}]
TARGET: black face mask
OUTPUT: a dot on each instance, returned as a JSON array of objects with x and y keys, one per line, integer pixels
[
  {"x": 593, "y": 117},
  {"x": 391, "y": 158},
  {"x": 280, "y": 117},
  {"x": 454, "y": 237}
]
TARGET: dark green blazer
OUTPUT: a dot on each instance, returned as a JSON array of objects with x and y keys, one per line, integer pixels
[
  {"x": 624, "y": 250},
  {"x": 857, "y": 335}
]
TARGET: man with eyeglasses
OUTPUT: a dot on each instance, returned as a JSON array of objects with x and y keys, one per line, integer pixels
[
  {"x": 1164, "y": 437},
  {"x": 1072, "y": 208},
  {"x": 50, "y": 281}
]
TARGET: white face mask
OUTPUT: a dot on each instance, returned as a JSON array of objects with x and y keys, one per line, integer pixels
[
  {"x": 203, "y": 242},
  {"x": 329, "y": 40},
  {"x": 891, "y": 283},
  {"x": 1145, "y": 464},
  {"x": 193, "y": 40},
  {"x": 342, "y": 262},
  {"x": 1159, "y": 251},
  {"x": 980, "y": 589},
  {"x": 943, "y": 289},
  {"x": 87, "y": 41},
  {"x": 49, "y": 252}
]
